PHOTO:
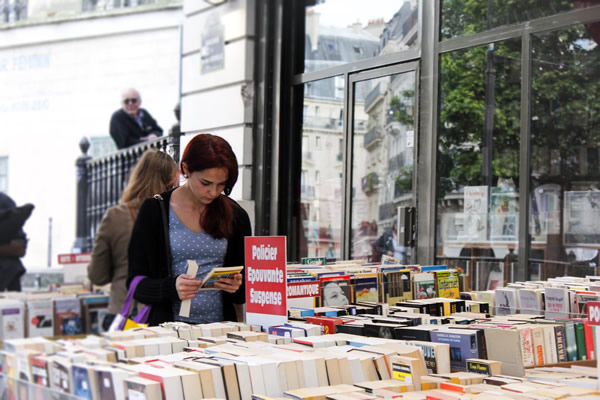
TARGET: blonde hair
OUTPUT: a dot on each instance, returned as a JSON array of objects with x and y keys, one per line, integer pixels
[{"x": 153, "y": 174}]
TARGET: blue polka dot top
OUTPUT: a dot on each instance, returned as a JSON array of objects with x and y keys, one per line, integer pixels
[{"x": 209, "y": 253}]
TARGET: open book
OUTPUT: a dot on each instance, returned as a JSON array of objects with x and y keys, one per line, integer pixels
[{"x": 208, "y": 282}]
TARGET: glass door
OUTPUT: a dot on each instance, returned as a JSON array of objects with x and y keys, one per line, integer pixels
[{"x": 382, "y": 169}]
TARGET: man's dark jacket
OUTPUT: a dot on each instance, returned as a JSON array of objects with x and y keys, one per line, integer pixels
[
  {"x": 149, "y": 256},
  {"x": 125, "y": 130}
]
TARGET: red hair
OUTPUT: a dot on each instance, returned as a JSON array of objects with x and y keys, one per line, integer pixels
[{"x": 207, "y": 151}]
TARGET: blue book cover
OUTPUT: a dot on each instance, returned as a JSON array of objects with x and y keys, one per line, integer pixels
[
  {"x": 81, "y": 383},
  {"x": 463, "y": 345},
  {"x": 302, "y": 312},
  {"x": 428, "y": 268},
  {"x": 306, "y": 278}
]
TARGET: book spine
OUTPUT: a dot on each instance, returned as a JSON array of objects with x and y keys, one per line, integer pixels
[
  {"x": 561, "y": 349},
  {"x": 571, "y": 341},
  {"x": 580, "y": 339},
  {"x": 527, "y": 347},
  {"x": 589, "y": 340}
]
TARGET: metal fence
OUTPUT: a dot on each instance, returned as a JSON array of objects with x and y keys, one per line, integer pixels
[{"x": 101, "y": 181}]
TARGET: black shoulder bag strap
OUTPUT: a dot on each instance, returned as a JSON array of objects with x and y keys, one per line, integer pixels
[{"x": 165, "y": 223}]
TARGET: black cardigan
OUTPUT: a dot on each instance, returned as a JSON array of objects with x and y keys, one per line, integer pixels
[
  {"x": 149, "y": 256},
  {"x": 125, "y": 130}
]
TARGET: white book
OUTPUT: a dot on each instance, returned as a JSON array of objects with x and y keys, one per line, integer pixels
[
  {"x": 244, "y": 379},
  {"x": 358, "y": 374},
  {"x": 507, "y": 301},
  {"x": 556, "y": 302},
  {"x": 550, "y": 344},
  {"x": 12, "y": 319},
  {"x": 257, "y": 378},
  {"x": 530, "y": 301}
]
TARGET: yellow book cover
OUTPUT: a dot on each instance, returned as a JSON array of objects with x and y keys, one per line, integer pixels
[{"x": 447, "y": 284}]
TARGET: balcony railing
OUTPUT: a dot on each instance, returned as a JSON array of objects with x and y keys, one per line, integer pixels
[
  {"x": 369, "y": 182},
  {"x": 322, "y": 122},
  {"x": 373, "y": 94},
  {"x": 101, "y": 181},
  {"x": 372, "y": 137}
]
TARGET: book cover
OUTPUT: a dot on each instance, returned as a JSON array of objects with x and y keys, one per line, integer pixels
[
  {"x": 432, "y": 268},
  {"x": 335, "y": 291},
  {"x": 581, "y": 300},
  {"x": 40, "y": 318},
  {"x": 556, "y": 302},
  {"x": 12, "y": 319},
  {"x": 463, "y": 345},
  {"x": 447, "y": 284},
  {"x": 208, "y": 282},
  {"x": 396, "y": 285},
  {"x": 530, "y": 301},
  {"x": 67, "y": 316},
  {"x": 366, "y": 287},
  {"x": 94, "y": 309},
  {"x": 424, "y": 286},
  {"x": 506, "y": 301}
]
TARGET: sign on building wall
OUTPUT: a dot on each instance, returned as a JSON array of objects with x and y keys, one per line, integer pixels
[
  {"x": 212, "y": 51},
  {"x": 266, "y": 284}
]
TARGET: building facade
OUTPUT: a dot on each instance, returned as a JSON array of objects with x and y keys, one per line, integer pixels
[{"x": 470, "y": 128}]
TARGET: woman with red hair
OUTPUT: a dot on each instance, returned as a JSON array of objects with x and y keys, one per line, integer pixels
[{"x": 196, "y": 221}]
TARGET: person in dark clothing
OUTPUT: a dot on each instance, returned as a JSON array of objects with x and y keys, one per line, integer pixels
[
  {"x": 196, "y": 221},
  {"x": 13, "y": 243},
  {"x": 132, "y": 124},
  {"x": 389, "y": 244}
]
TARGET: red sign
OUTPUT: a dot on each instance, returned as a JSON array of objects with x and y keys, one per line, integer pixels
[
  {"x": 266, "y": 275},
  {"x": 75, "y": 258},
  {"x": 594, "y": 313},
  {"x": 303, "y": 289}
]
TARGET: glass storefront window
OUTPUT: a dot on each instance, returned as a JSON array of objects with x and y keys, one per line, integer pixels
[
  {"x": 322, "y": 168},
  {"x": 383, "y": 163},
  {"x": 478, "y": 160},
  {"x": 565, "y": 152},
  {"x": 343, "y": 31},
  {"x": 466, "y": 17}
]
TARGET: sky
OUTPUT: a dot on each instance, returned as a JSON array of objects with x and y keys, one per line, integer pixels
[{"x": 345, "y": 12}]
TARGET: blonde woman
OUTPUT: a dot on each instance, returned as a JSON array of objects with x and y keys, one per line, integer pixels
[{"x": 154, "y": 173}]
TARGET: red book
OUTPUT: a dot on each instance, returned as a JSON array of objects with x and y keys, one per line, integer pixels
[
  {"x": 588, "y": 331},
  {"x": 452, "y": 387},
  {"x": 327, "y": 323}
]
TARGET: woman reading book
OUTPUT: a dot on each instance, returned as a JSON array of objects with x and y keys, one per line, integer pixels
[{"x": 196, "y": 221}]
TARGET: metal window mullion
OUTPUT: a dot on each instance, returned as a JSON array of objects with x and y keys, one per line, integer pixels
[
  {"x": 426, "y": 162},
  {"x": 524, "y": 162},
  {"x": 581, "y": 16},
  {"x": 348, "y": 157},
  {"x": 350, "y": 67}
]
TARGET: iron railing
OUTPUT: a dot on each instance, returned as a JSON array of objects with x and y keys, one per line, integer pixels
[{"x": 101, "y": 181}]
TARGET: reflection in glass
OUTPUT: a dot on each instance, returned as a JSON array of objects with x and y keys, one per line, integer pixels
[
  {"x": 565, "y": 148},
  {"x": 383, "y": 164},
  {"x": 466, "y": 17},
  {"x": 322, "y": 168},
  {"x": 343, "y": 31},
  {"x": 478, "y": 156}
]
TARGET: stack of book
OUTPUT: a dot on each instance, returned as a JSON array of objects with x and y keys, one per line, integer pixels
[
  {"x": 32, "y": 314},
  {"x": 237, "y": 361}
]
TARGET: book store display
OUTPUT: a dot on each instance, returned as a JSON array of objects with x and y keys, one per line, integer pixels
[{"x": 354, "y": 331}]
